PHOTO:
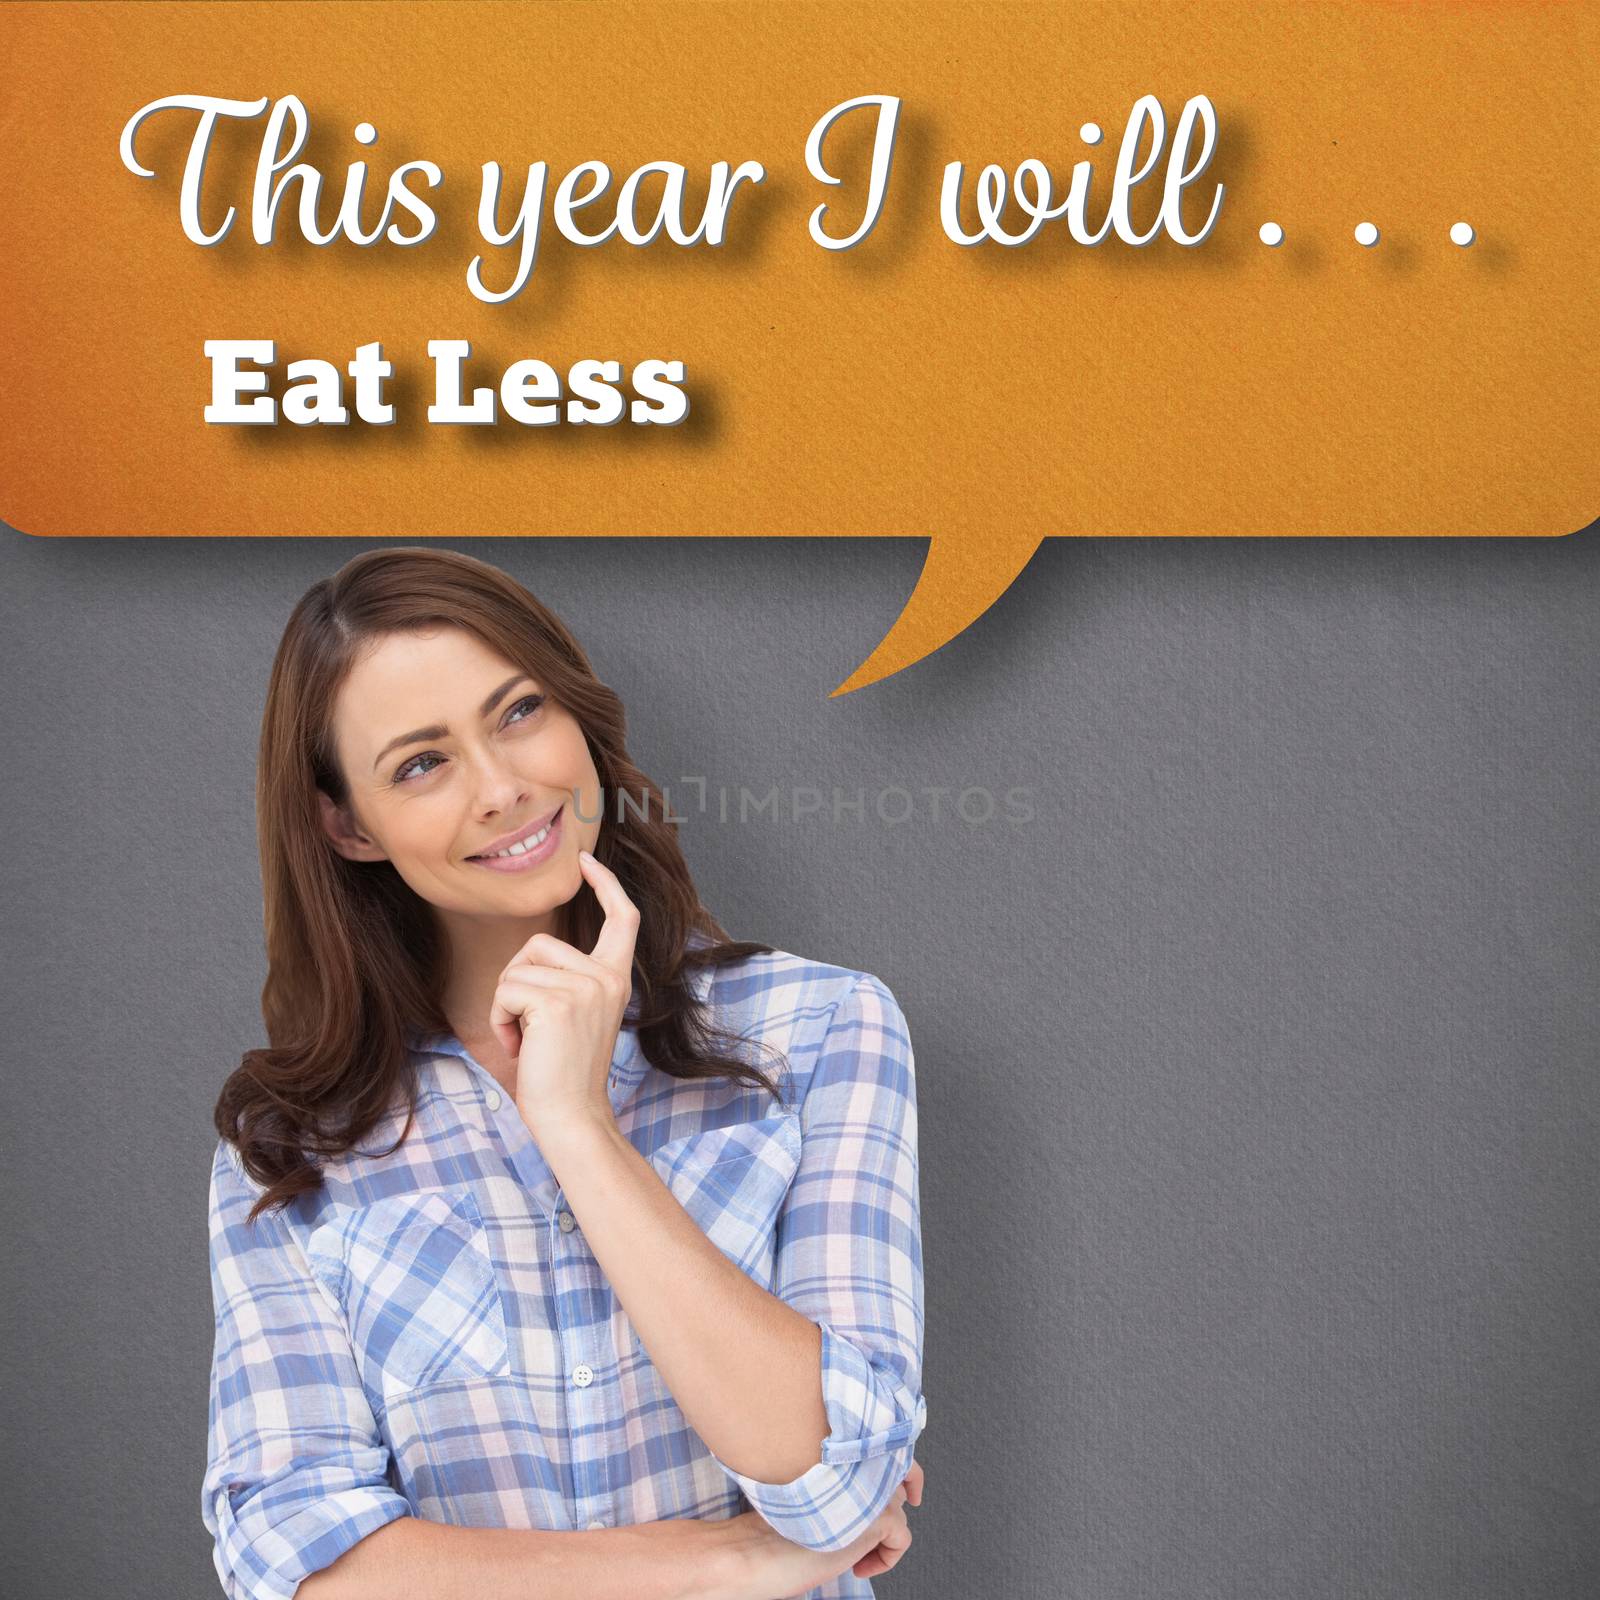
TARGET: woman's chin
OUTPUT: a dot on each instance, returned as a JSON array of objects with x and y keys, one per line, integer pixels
[{"x": 530, "y": 893}]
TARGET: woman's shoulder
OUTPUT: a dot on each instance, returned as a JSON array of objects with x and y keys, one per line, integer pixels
[
  {"x": 792, "y": 1000},
  {"x": 781, "y": 972}
]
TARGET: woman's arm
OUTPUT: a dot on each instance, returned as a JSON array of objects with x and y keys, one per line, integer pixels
[
  {"x": 674, "y": 1560},
  {"x": 809, "y": 1397},
  {"x": 743, "y": 1366},
  {"x": 849, "y": 1257}
]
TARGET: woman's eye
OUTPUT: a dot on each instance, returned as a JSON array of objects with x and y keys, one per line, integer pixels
[
  {"x": 410, "y": 768},
  {"x": 534, "y": 700}
]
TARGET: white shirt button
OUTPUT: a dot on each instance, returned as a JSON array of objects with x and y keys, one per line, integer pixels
[
  {"x": 567, "y": 1221},
  {"x": 596, "y": 1525},
  {"x": 583, "y": 1376},
  {"x": 492, "y": 1099}
]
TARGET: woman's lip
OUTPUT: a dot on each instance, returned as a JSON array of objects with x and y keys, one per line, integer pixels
[
  {"x": 529, "y": 858},
  {"x": 517, "y": 835}
]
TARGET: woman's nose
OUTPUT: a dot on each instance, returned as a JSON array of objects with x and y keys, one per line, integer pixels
[{"x": 500, "y": 787}]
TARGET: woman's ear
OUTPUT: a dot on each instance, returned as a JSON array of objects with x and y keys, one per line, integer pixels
[{"x": 345, "y": 836}]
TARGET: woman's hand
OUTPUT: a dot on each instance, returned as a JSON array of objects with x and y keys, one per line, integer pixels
[
  {"x": 892, "y": 1546},
  {"x": 558, "y": 1011},
  {"x": 773, "y": 1568}
]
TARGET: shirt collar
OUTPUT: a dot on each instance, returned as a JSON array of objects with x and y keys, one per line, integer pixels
[{"x": 628, "y": 1060}]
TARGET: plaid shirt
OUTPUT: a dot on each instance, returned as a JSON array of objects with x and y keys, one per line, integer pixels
[{"x": 431, "y": 1335}]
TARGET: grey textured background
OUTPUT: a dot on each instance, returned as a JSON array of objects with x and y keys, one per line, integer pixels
[{"x": 1257, "y": 1072}]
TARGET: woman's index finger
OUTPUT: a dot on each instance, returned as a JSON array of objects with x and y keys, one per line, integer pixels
[{"x": 614, "y": 947}]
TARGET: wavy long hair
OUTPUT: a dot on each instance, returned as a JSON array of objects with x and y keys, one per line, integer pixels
[{"x": 355, "y": 958}]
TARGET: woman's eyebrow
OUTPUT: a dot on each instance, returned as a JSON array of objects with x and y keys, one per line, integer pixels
[{"x": 438, "y": 731}]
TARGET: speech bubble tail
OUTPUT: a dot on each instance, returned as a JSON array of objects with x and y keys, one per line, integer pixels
[{"x": 960, "y": 580}]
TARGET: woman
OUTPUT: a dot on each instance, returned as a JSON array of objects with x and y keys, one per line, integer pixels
[{"x": 527, "y": 1281}]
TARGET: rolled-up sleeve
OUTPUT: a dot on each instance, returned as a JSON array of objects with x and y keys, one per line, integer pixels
[
  {"x": 849, "y": 1256},
  {"x": 297, "y": 1468}
]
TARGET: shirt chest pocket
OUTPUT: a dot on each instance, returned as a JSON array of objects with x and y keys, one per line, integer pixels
[
  {"x": 733, "y": 1181},
  {"x": 416, "y": 1282}
]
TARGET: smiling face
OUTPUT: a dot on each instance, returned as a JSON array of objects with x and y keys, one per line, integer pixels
[{"x": 450, "y": 751}]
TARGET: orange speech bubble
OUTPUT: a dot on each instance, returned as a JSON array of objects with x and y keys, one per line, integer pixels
[{"x": 1116, "y": 357}]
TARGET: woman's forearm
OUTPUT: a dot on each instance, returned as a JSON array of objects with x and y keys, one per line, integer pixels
[
  {"x": 744, "y": 1367},
  {"x": 679, "y": 1559}
]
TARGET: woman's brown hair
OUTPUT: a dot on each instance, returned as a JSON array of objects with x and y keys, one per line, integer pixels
[{"x": 355, "y": 961}]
